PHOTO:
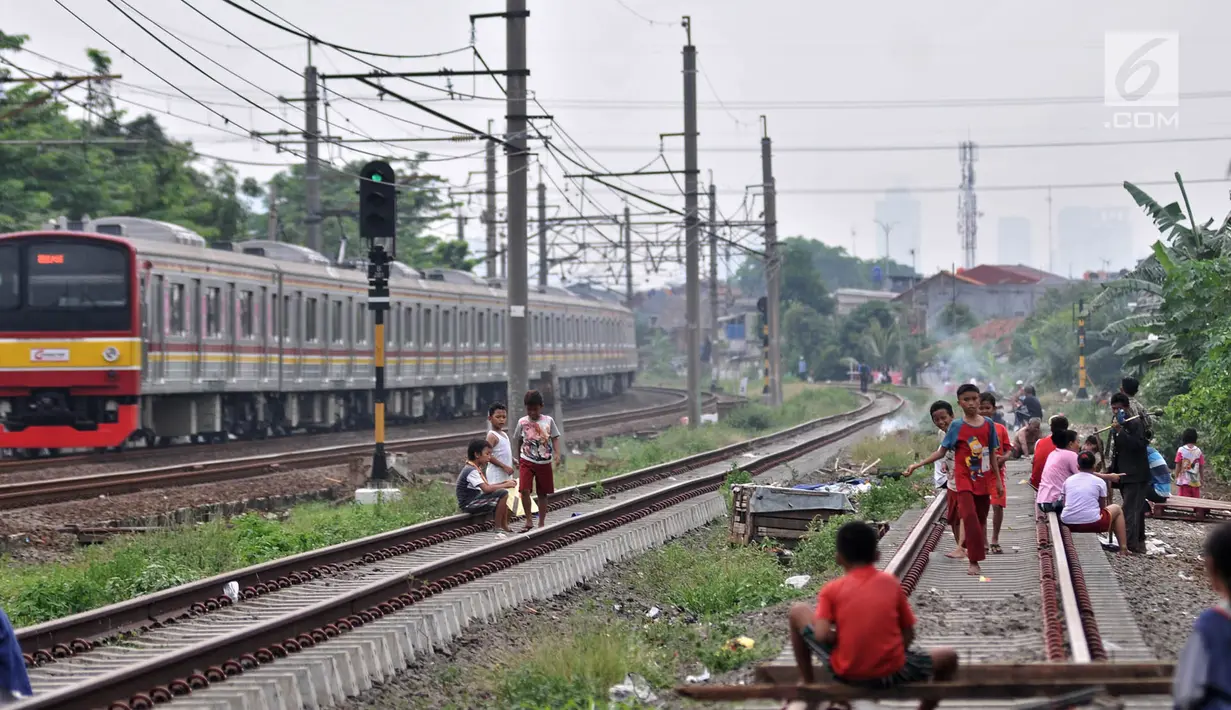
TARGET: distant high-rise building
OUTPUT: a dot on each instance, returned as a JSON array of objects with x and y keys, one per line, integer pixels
[
  {"x": 1091, "y": 239},
  {"x": 1013, "y": 241},
  {"x": 904, "y": 216}
]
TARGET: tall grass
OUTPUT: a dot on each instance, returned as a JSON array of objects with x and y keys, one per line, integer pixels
[{"x": 132, "y": 566}]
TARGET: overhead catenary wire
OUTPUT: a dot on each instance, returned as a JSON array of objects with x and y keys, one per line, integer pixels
[{"x": 317, "y": 40}]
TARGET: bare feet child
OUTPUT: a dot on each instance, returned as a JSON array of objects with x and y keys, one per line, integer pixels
[
  {"x": 942, "y": 416},
  {"x": 536, "y": 440},
  {"x": 976, "y": 450},
  {"x": 987, "y": 408},
  {"x": 500, "y": 466},
  {"x": 863, "y": 626}
]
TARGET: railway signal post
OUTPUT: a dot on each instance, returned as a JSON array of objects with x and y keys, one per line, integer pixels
[{"x": 378, "y": 227}]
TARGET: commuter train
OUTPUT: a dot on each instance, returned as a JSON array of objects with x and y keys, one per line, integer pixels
[{"x": 137, "y": 330}]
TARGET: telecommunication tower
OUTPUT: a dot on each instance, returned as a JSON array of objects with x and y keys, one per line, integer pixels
[{"x": 967, "y": 204}]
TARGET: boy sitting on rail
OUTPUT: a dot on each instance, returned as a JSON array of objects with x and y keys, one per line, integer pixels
[
  {"x": 1203, "y": 672},
  {"x": 863, "y": 625},
  {"x": 475, "y": 495},
  {"x": 972, "y": 439}
]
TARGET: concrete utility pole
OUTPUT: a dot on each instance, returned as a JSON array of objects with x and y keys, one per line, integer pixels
[
  {"x": 490, "y": 215},
  {"x": 772, "y": 266},
  {"x": 628, "y": 258},
  {"x": 271, "y": 223},
  {"x": 542, "y": 235},
  {"x": 312, "y": 170},
  {"x": 692, "y": 250},
  {"x": 519, "y": 346},
  {"x": 461, "y": 226},
  {"x": 713, "y": 286}
]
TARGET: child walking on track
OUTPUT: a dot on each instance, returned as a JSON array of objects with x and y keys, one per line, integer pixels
[
  {"x": 535, "y": 441},
  {"x": 863, "y": 626},
  {"x": 987, "y": 407},
  {"x": 1189, "y": 462},
  {"x": 942, "y": 417},
  {"x": 976, "y": 465}
]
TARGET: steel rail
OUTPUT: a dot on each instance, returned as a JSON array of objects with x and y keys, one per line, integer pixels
[
  {"x": 229, "y": 654},
  {"x": 27, "y": 493},
  {"x": 70, "y": 635},
  {"x": 15, "y": 465}
]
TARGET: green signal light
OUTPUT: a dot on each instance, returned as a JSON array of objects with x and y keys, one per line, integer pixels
[{"x": 376, "y": 177}]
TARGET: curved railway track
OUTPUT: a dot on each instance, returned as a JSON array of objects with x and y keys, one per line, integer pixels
[
  {"x": 28, "y": 493},
  {"x": 183, "y": 640}
]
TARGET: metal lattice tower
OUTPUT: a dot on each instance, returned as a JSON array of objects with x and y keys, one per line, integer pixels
[{"x": 967, "y": 203}]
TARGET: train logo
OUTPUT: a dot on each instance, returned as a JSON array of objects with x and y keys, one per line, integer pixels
[
  {"x": 49, "y": 355},
  {"x": 111, "y": 354}
]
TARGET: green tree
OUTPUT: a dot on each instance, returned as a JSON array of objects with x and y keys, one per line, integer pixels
[
  {"x": 421, "y": 204},
  {"x": 810, "y": 335},
  {"x": 956, "y": 318}
]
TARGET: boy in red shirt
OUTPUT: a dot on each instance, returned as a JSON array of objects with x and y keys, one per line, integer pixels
[
  {"x": 976, "y": 465},
  {"x": 987, "y": 408},
  {"x": 863, "y": 625}
]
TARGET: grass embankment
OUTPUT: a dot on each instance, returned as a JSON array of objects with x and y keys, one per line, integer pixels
[
  {"x": 131, "y": 566},
  {"x": 623, "y": 454},
  {"x": 714, "y": 585},
  {"x": 702, "y": 584}
]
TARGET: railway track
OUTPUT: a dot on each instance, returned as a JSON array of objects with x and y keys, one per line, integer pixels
[
  {"x": 133, "y": 455},
  {"x": 1046, "y": 614},
  {"x": 402, "y": 590},
  {"x": 28, "y": 493}
]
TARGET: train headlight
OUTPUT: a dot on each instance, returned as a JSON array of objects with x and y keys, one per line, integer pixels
[{"x": 112, "y": 406}]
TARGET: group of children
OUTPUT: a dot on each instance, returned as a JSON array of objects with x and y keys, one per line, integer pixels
[
  {"x": 490, "y": 474},
  {"x": 862, "y": 626}
]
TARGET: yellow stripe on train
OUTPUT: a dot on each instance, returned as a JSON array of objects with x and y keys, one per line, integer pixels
[{"x": 70, "y": 354}]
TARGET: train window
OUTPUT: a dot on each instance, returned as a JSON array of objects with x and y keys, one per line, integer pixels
[
  {"x": 335, "y": 322},
  {"x": 480, "y": 332},
  {"x": 427, "y": 335},
  {"x": 463, "y": 328},
  {"x": 213, "y": 311},
  {"x": 408, "y": 324},
  {"x": 534, "y": 331},
  {"x": 309, "y": 321},
  {"x": 446, "y": 326},
  {"x": 246, "y": 315},
  {"x": 361, "y": 322},
  {"x": 10, "y": 288},
  {"x": 179, "y": 310},
  {"x": 497, "y": 323}
]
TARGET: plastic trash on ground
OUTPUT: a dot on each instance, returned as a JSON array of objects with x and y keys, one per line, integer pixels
[
  {"x": 231, "y": 589},
  {"x": 741, "y": 642},
  {"x": 701, "y": 677},
  {"x": 798, "y": 581},
  {"x": 653, "y": 612},
  {"x": 634, "y": 687}
]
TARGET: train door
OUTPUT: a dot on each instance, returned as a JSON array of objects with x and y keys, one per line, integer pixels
[
  {"x": 198, "y": 338},
  {"x": 262, "y": 367},
  {"x": 448, "y": 339},
  {"x": 232, "y": 335}
]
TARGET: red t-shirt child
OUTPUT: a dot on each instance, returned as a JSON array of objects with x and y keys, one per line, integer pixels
[
  {"x": 1002, "y": 435},
  {"x": 1041, "y": 450},
  {"x": 972, "y": 455},
  {"x": 870, "y": 610}
]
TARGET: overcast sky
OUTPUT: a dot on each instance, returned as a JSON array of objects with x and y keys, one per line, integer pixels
[{"x": 842, "y": 75}]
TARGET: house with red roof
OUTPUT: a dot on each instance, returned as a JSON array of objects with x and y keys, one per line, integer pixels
[{"x": 990, "y": 291}]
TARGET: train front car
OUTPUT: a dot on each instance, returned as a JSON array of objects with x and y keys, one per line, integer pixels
[{"x": 70, "y": 346}]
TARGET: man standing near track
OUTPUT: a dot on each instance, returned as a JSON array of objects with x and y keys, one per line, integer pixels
[{"x": 1129, "y": 457}]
